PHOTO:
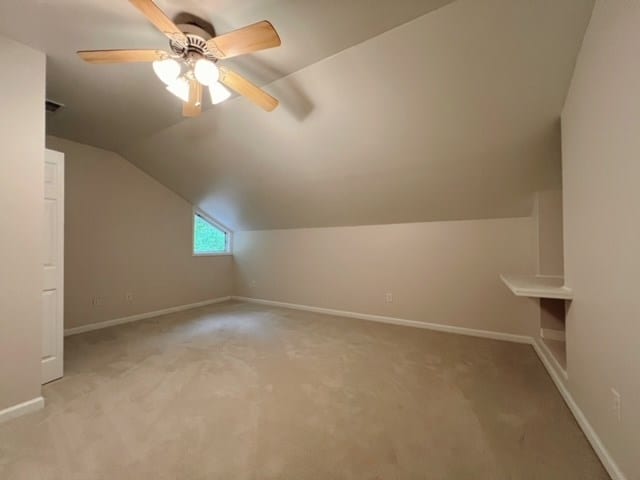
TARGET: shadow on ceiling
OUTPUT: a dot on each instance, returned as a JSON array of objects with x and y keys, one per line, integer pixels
[
  {"x": 291, "y": 95},
  {"x": 189, "y": 18}
]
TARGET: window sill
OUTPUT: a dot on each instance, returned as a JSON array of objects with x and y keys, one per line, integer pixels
[{"x": 223, "y": 254}]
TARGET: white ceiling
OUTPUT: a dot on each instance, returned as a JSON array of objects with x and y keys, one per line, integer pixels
[
  {"x": 454, "y": 115},
  {"x": 111, "y": 105}
]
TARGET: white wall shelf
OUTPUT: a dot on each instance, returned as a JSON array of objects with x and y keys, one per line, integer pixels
[{"x": 537, "y": 286}]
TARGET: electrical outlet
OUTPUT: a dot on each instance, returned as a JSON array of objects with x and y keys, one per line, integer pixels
[
  {"x": 96, "y": 301},
  {"x": 388, "y": 297},
  {"x": 616, "y": 404},
  {"x": 252, "y": 283},
  {"x": 128, "y": 297}
]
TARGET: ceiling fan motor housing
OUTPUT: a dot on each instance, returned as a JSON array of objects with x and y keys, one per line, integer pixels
[{"x": 196, "y": 47}]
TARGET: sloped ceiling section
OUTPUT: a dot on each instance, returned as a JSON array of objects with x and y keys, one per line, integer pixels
[
  {"x": 454, "y": 115},
  {"x": 111, "y": 105}
]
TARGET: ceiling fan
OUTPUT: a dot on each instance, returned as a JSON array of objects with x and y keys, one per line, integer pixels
[{"x": 192, "y": 63}]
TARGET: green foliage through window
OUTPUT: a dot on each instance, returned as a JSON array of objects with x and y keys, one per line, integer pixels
[{"x": 208, "y": 238}]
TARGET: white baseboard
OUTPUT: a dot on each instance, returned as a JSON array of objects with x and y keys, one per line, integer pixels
[
  {"x": 509, "y": 337},
  {"x": 544, "y": 349},
  {"x": 603, "y": 454},
  {"x": 140, "y": 316},
  {"x": 540, "y": 349},
  {"x": 21, "y": 409}
]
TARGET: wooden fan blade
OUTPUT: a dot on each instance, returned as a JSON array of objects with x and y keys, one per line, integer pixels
[
  {"x": 122, "y": 56},
  {"x": 252, "y": 38},
  {"x": 247, "y": 89},
  {"x": 193, "y": 107},
  {"x": 160, "y": 20}
]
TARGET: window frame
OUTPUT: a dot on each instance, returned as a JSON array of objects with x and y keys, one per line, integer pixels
[{"x": 215, "y": 223}]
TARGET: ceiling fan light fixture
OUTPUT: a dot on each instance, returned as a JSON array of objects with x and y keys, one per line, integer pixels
[
  {"x": 206, "y": 72},
  {"x": 219, "y": 93},
  {"x": 180, "y": 88},
  {"x": 167, "y": 70},
  {"x": 192, "y": 62}
]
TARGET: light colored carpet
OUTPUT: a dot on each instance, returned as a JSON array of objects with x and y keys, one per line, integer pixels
[{"x": 239, "y": 391}]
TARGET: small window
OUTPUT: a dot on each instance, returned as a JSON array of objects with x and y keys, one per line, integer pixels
[{"x": 209, "y": 238}]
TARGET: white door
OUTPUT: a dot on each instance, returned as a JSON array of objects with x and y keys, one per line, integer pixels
[{"x": 52, "y": 292}]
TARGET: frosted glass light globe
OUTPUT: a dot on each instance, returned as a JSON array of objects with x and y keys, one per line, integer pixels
[
  {"x": 219, "y": 93},
  {"x": 206, "y": 72},
  {"x": 167, "y": 70},
  {"x": 180, "y": 88}
]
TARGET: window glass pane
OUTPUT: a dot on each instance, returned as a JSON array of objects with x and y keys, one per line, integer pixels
[{"x": 207, "y": 238}]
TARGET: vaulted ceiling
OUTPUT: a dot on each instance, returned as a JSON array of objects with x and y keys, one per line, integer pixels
[
  {"x": 111, "y": 105},
  {"x": 411, "y": 110}
]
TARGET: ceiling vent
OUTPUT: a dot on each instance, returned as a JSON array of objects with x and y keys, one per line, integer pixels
[{"x": 51, "y": 106}]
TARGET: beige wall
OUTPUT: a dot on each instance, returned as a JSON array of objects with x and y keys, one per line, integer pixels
[
  {"x": 440, "y": 272},
  {"x": 22, "y": 79},
  {"x": 126, "y": 233},
  {"x": 601, "y": 155},
  {"x": 548, "y": 213}
]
